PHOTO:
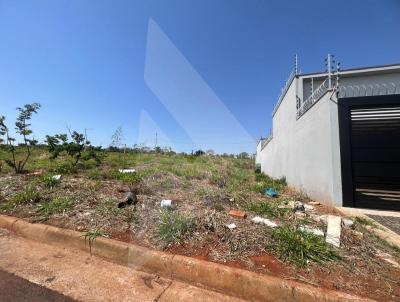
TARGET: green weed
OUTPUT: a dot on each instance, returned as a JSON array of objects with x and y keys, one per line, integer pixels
[
  {"x": 55, "y": 206},
  {"x": 366, "y": 222},
  {"x": 91, "y": 236},
  {"x": 29, "y": 195},
  {"x": 50, "y": 182},
  {"x": 299, "y": 247},
  {"x": 173, "y": 227}
]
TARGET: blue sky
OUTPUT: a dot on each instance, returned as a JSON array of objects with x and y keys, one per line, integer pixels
[{"x": 84, "y": 61}]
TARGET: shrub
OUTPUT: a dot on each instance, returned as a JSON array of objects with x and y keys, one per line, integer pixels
[
  {"x": 29, "y": 195},
  {"x": 78, "y": 148},
  {"x": 65, "y": 168},
  {"x": 173, "y": 227},
  {"x": 132, "y": 180},
  {"x": 269, "y": 208},
  {"x": 299, "y": 247},
  {"x": 49, "y": 181},
  {"x": 55, "y": 206}
]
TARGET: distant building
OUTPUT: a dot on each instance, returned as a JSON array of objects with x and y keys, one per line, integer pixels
[{"x": 336, "y": 136}]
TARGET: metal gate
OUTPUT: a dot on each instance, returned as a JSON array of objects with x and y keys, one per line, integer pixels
[{"x": 373, "y": 144}]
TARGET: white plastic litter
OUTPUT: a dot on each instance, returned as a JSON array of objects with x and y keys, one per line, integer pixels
[
  {"x": 127, "y": 171},
  {"x": 308, "y": 207},
  {"x": 347, "y": 222},
  {"x": 265, "y": 221},
  {"x": 166, "y": 203},
  {"x": 231, "y": 226},
  {"x": 56, "y": 177},
  {"x": 308, "y": 229}
]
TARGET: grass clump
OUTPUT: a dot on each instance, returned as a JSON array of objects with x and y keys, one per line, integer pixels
[
  {"x": 50, "y": 182},
  {"x": 366, "y": 222},
  {"x": 268, "y": 208},
  {"x": 29, "y": 195},
  {"x": 299, "y": 247},
  {"x": 55, "y": 206},
  {"x": 264, "y": 181},
  {"x": 108, "y": 207},
  {"x": 132, "y": 180},
  {"x": 173, "y": 227}
]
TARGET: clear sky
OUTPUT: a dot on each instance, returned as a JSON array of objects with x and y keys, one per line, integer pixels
[{"x": 103, "y": 64}]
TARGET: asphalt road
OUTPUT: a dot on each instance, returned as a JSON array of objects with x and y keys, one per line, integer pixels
[{"x": 16, "y": 289}]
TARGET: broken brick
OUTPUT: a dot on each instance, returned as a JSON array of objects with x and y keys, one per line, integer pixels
[{"x": 237, "y": 213}]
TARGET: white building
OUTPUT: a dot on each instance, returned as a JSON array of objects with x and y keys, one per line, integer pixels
[{"x": 336, "y": 136}]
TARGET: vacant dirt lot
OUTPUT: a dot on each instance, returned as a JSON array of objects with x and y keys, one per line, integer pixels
[{"x": 203, "y": 190}]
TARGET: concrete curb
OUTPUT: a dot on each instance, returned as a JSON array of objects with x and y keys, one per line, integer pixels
[
  {"x": 383, "y": 232},
  {"x": 228, "y": 280}
]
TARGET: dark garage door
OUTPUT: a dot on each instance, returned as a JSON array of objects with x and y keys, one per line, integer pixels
[
  {"x": 370, "y": 151},
  {"x": 375, "y": 152}
]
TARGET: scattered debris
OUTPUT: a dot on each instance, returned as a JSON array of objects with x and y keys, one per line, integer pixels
[
  {"x": 333, "y": 230},
  {"x": 231, "y": 226},
  {"x": 347, "y": 222},
  {"x": 167, "y": 203},
  {"x": 130, "y": 170},
  {"x": 358, "y": 235},
  {"x": 37, "y": 172},
  {"x": 56, "y": 177},
  {"x": 311, "y": 230},
  {"x": 388, "y": 258},
  {"x": 130, "y": 199},
  {"x": 265, "y": 221},
  {"x": 300, "y": 214},
  {"x": 231, "y": 199},
  {"x": 237, "y": 213},
  {"x": 308, "y": 207},
  {"x": 270, "y": 192},
  {"x": 314, "y": 203},
  {"x": 297, "y": 206}
]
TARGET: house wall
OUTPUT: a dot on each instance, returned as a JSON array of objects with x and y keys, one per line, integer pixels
[{"x": 306, "y": 150}]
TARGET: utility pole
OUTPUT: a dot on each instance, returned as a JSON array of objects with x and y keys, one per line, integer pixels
[{"x": 156, "y": 141}]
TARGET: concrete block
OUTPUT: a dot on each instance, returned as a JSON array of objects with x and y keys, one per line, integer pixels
[{"x": 333, "y": 231}]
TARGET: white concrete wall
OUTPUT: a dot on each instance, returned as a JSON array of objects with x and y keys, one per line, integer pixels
[{"x": 306, "y": 151}]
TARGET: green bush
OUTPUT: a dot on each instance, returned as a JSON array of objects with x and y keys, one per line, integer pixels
[
  {"x": 173, "y": 227},
  {"x": 55, "y": 206},
  {"x": 300, "y": 247},
  {"x": 66, "y": 168},
  {"x": 50, "y": 182}
]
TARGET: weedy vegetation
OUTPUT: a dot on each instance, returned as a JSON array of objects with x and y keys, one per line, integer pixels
[
  {"x": 298, "y": 247},
  {"x": 173, "y": 227}
]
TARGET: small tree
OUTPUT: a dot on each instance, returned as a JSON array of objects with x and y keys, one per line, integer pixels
[
  {"x": 78, "y": 148},
  {"x": 22, "y": 127}
]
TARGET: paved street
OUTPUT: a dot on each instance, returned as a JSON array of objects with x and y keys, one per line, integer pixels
[{"x": 31, "y": 269}]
